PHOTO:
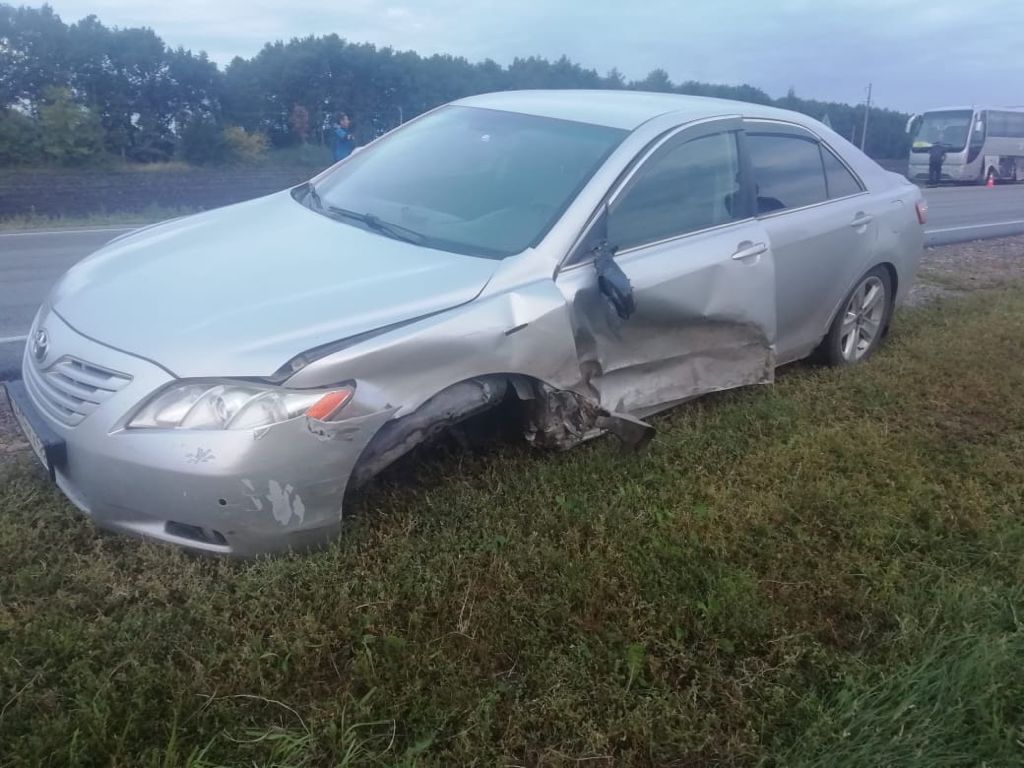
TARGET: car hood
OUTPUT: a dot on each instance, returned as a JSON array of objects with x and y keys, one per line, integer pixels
[{"x": 241, "y": 290}]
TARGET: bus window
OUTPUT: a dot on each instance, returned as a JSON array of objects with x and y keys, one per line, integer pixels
[{"x": 1008, "y": 125}]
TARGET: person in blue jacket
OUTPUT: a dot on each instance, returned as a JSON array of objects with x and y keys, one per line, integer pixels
[{"x": 344, "y": 141}]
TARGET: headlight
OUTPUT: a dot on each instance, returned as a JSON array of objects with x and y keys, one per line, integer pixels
[{"x": 219, "y": 405}]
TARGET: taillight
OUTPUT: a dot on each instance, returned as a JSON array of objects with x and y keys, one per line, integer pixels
[{"x": 921, "y": 206}]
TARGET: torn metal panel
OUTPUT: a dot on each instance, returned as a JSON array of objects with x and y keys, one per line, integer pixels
[{"x": 562, "y": 419}]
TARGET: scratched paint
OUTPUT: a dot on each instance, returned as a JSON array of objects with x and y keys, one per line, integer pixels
[
  {"x": 199, "y": 456},
  {"x": 252, "y": 495},
  {"x": 285, "y": 503}
]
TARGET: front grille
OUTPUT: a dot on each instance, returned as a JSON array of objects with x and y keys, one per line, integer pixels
[{"x": 70, "y": 389}]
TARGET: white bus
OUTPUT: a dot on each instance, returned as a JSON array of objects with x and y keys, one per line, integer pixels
[{"x": 980, "y": 143}]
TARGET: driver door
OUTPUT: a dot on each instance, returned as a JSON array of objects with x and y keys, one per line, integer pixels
[{"x": 701, "y": 271}]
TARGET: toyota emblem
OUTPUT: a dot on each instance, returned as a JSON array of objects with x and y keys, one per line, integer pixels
[{"x": 40, "y": 345}]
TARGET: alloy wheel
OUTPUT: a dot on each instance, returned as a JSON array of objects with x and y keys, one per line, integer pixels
[{"x": 862, "y": 319}]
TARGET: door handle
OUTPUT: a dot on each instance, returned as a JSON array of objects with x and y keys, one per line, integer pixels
[
  {"x": 861, "y": 220},
  {"x": 749, "y": 250}
]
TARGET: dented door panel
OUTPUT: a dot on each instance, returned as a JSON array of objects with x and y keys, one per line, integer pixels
[{"x": 704, "y": 321}]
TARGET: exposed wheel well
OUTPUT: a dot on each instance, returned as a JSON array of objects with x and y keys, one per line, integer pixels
[
  {"x": 506, "y": 405},
  {"x": 450, "y": 406}
]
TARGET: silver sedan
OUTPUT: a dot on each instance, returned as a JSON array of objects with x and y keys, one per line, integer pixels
[{"x": 220, "y": 381}]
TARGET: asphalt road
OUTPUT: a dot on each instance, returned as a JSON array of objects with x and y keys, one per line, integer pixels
[
  {"x": 959, "y": 214},
  {"x": 30, "y": 263}
]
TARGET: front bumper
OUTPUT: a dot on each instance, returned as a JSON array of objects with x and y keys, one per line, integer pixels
[
  {"x": 952, "y": 173},
  {"x": 238, "y": 492}
]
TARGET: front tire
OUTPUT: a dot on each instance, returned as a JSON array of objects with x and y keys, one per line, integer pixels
[{"x": 862, "y": 320}]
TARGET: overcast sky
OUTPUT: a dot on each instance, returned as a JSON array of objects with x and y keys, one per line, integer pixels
[{"x": 918, "y": 53}]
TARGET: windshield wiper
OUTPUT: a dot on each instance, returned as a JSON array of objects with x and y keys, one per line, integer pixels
[{"x": 377, "y": 224}]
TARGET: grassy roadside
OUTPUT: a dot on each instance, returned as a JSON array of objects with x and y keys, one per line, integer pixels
[
  {"x": 829, "y": 572},
  {"x": 37, "y": 222}
]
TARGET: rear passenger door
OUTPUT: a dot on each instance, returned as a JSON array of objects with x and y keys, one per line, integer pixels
[{"x": 819, "y": 222}]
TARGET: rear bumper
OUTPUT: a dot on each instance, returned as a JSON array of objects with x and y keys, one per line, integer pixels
[{"x": 236, "y": 492}]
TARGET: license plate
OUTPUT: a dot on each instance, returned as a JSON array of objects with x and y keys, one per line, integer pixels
[{"x": 30, "y": 434}]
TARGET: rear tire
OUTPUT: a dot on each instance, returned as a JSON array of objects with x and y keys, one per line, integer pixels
[{"x": 862, "y": 320}]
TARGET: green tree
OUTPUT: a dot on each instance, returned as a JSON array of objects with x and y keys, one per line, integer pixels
[
  {"x": 202, "y": 143},
  {"x": 19, "y": 139},
  {"x": 656, "y": 80},
  {"x": 33, "y": 53},
  {"x": 154, "y": 102},
  {"x": 69, "y": 133}
]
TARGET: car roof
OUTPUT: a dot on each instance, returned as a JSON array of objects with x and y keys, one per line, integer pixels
[{"x": 620, "y": 109}]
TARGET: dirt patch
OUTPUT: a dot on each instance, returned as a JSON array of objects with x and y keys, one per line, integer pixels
[
  {"x": 954, "y": 270},
  {"x": 11, "y": 440}
]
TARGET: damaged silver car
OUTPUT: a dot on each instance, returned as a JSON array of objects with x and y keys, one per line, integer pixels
[{"x": 220, "y": 381}]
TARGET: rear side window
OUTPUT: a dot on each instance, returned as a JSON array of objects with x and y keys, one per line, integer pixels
[
  {"x": 788, "y": 172},
  {"x": 840, "y": 181},
  {"x": 683, "y": 189}
]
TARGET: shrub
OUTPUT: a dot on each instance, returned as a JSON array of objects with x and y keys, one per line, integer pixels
[{"x": 244, "y": 147}]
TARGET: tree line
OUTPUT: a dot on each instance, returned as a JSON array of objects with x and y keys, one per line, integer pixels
[{"x": 82, "y": 93}]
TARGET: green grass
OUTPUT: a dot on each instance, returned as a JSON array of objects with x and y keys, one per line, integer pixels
[
  {"x": 827, "y": 572},
  {"x": 36, "y": 222},
  {"x": 301, "y": 155}
]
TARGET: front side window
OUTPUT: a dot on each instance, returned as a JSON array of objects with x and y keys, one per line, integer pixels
[
  {"x": 788, "y": 171},
  {"x": 682, "y": 189},
  {"x": 476, "y": 181}
]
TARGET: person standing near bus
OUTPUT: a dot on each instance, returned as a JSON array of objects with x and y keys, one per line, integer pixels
[{"x": 936, "y": 157}]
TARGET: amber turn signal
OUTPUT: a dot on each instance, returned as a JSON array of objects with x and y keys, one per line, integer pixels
[{"x": 329, "y": 404}]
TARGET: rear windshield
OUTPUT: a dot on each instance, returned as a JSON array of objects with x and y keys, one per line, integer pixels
[{"x": 475, "y": 181}]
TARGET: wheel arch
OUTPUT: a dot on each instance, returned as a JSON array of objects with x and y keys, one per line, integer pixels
[
  {"x": 889, "y": 267},
  {"x": 452, "y": 405}
]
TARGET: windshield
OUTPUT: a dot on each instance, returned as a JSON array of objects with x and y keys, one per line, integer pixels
[
  {"x": 948, "y": 128},
  {"x": 468, "y": 180}
]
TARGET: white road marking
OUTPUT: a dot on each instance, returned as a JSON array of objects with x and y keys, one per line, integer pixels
[
  {"x": 975, "y": 226},
  {"x": 12, "y": 339},
  {"x": 67, "y": 231}
]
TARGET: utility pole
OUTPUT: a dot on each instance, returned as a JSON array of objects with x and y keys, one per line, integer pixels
[{"x": 867, "y": 111}]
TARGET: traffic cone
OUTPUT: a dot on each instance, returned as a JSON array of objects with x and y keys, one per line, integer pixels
[{"x": 991, "y": 181}]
